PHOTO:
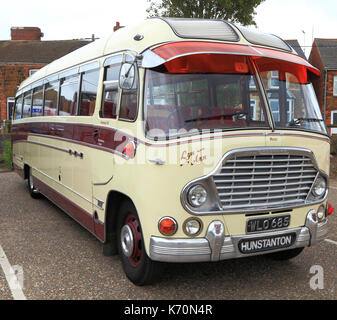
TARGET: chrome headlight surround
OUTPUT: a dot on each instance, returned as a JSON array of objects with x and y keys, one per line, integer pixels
[{"x": 211, "y": 203}]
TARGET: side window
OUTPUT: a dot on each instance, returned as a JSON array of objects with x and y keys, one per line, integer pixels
[
  {"x": 50, "y": 100},
  {"x": 27, "y": 103},
  {"x": 37, "y": 106},
  {"x": 111, "y": 92},
  {"x": 68, "y": 96},
  {"x": 129, "y": 102},
  {"x": 18, "y": 108},
  {"x": 88, "y": 92}
]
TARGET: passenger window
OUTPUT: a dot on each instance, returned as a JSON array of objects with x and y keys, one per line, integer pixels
[
  {"x": 27, "y": 102},
  {"x": 88, "y": 93},
  {"x": 18, "y": 108},
  {"x": 129, "y": 102},
  {"x": 111, "y": 92},
  {"x": 37, "y": 102},
  {"x": 68, "y": 96},
  {"x": 50, "y": 100}
]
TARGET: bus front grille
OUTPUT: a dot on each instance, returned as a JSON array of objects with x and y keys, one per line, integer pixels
[{"x": 254, "y": 181}]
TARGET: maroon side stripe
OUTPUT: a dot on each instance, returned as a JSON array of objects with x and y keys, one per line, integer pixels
[{"x": 72, "y": 209}]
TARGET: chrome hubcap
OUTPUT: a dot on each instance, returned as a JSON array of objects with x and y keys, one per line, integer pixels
[
  {"x": 31, "y": 184},
  {"x": 127, "y": 241}
]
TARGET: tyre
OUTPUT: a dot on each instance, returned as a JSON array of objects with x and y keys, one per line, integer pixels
[
  {"x": 138, "y": 267},
  {"x": 285, "y": 255},
  {"x": 34, "y": 192}
]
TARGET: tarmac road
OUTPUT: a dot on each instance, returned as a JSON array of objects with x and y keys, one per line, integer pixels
[{"x": 56, "y": 258}]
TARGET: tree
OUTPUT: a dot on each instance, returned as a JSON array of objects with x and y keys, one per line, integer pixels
[{"x": 241, "y": 11}]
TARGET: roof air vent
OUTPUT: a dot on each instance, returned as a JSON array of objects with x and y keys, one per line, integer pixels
[
  {"x": 263, "y": 39},
  {"x": 202, "y": 29}
]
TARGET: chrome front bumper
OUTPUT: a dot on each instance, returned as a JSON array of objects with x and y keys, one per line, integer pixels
[{"x": 217, "y": 246}]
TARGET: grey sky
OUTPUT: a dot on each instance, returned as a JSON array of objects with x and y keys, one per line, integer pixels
[{"x": 73, "y": 19}]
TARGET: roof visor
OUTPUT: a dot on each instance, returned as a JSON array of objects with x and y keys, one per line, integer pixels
[{"x": 174, "y": 50}]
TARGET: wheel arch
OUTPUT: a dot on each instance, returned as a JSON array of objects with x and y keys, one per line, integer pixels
[
  {"x": 113, "y": 203},
  {"x": 26, "y": 171}
]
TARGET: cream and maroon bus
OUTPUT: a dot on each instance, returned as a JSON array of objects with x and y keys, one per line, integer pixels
[{"x": 179, "y": 140}]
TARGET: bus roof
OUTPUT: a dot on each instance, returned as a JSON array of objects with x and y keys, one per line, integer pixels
[{"x": 158, "y": 31}]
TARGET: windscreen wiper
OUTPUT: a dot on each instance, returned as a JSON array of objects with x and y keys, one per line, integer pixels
[
  {"x": 237, "y": 115},
  {"x": 298, "y": 121}
]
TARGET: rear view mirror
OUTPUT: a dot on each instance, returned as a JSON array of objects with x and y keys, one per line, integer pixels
[{"x": 127, "y": 76}]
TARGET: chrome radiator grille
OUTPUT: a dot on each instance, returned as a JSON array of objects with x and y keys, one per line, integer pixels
[{"x": 264, "y": 180}]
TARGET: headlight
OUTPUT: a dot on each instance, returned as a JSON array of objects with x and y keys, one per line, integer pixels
[
  {"x": 197, "y": 196},
  {"x": 319, "y": 187}
]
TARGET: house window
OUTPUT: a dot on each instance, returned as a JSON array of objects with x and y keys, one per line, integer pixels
[
  {"x": 335, "y": 85},
  {"x": 32, "y": 71},
  {"x": 274, "y": 81},
  {"x": 10, "y": 105},
  {"x": 334, "y": 117}
]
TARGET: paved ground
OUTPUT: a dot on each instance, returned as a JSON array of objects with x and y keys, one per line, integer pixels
[{"x": 61, "y": 260}]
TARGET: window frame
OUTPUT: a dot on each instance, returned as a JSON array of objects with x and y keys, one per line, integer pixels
[
  {"x": 10, "y": 100},
  {"x": 273, "y": 77},
  {"x": 111, "y": 61},
  {"x": 32, "y": 71},
  {"x": 334, "y": 86},
  {"x": 33, "y": 91},
  {"x": 331, "y": 117},
  {"x": 57, "y": 84},
  {"x": 82, "y": 73},
  {"x": 27, "y": 92},
  {"x": 137, "y": 77},
  {"x": 61, "y": 84}
]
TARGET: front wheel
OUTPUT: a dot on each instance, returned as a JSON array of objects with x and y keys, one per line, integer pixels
[
  {"x": 138, "y": 267},
  {"x": 34, "y": 192}
]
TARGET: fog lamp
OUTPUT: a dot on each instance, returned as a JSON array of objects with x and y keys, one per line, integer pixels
[
  {"x": 321, "y": 213},
  {"x": 192, "y": 227}
]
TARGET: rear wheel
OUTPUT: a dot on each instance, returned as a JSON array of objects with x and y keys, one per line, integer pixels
[
  {"x": 285, "y": 255},
  {"x": 138, "y": 267},
  {"x": 34, "y": 192}
]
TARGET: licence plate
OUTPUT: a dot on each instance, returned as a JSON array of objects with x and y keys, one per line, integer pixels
[
  {"x": 267, "y": 223},
  {"x": 266, "y": 243}
]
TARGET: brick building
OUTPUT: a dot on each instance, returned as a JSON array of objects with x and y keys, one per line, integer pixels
[
  {"x": 22, "y": 55},
  {"x": 296, "y": 46},
  {"x": 324, "y": 57}
]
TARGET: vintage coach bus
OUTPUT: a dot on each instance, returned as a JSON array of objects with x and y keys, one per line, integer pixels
[{"x": 179, "y": 140}]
